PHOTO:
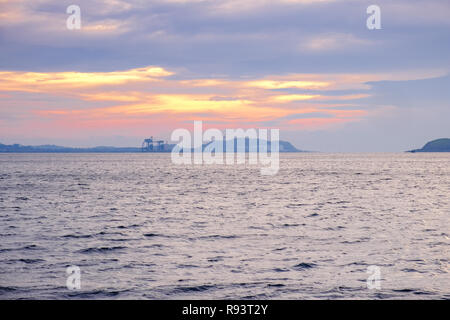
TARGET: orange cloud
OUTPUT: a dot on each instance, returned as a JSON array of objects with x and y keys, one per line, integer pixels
[
  {"x": 108, "y": 97},
  {"x": 294, "y": 97},
  {"x": 270, "y": 84},
  {"x": 38, "y": 81}
]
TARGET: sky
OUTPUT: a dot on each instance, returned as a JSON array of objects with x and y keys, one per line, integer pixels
[{"x": 310, "y": 68}]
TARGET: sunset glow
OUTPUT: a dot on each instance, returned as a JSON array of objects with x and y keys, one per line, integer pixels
[{"x": 132, "y": 71}]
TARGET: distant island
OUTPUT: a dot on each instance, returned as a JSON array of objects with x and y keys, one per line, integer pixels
[
  {"x": 439, "y": 145},
  {"x": 161, "y": 148},
  {"x": 284, "y": 146}
]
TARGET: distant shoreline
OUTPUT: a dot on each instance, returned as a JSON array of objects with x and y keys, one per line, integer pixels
[
  {"x": 284, "y": 147},
  {"x": 439, "y": 146}
]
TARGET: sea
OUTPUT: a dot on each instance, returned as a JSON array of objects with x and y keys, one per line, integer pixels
[{"x": 137, "y": 226}]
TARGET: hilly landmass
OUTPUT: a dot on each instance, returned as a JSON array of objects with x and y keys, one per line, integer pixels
[{"x": 439, "y": 145}]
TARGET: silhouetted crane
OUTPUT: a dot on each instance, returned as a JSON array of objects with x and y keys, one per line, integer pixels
[{"x": 150, "y": 145}]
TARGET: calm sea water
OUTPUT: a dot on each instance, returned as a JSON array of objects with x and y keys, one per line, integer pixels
[{"x": 140, "y": 227}]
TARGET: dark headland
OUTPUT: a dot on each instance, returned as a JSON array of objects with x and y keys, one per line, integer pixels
[{"x": 439, "y": 145}]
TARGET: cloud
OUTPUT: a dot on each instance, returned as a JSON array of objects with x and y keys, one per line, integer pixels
[
  {"x": 417, "y": 13},
  {"x": 128, "y": 95},
  {"x": 334, "y": 42},
  {"x": 238, "y": 6},
  {"x": 271, "y": 84},
  {"x": 35, "y": 82},
  {"x": 269, "y": 37}
]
